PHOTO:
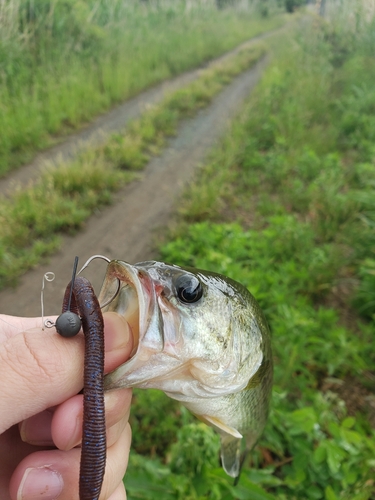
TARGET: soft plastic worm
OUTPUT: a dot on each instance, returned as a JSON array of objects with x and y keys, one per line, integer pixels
[{"x": 93, "y": 452}]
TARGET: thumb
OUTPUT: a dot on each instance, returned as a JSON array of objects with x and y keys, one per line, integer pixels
[{"x": 38, "y": 369}]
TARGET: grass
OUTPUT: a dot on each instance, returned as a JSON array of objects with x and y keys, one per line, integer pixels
[
  {"x": 33, "y": 218},
  {"x": 63, "y": 62},
  {"x": 285, "y": 206}
]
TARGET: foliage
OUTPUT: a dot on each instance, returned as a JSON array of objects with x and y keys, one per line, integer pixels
[
  {"x": 148, "y": 432},
  {"x": 32, "y": 219},
  {"x": 285, "y": 206},
  {"x": 284, "y": 274},
  {"x": 65, "y": 197},
  {"x": 64, "y": 61},
  {"x": 290, "y": 5}
]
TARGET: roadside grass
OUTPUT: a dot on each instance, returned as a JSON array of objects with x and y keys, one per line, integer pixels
[
  {"x": 33, "y": 218},
  {"x": 63, "y": 62},
  {"x": 285, "y": 206}
]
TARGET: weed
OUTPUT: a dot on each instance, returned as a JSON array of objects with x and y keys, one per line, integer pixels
[
  {"x": 307, "y": 198},
  {"x": 63, "y": 62},
  {"x": 74, "y": 190}
]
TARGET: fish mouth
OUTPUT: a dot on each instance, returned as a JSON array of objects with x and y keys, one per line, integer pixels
[{"x": 129, "y": 291}]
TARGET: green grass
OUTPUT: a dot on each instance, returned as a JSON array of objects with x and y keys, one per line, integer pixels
[
  {"x": 285, "y": 206},
  {"x": 63, "y": 62},
  {"x": 33, "y": 218}
]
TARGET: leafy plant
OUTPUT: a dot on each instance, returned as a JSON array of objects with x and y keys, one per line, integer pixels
[
  {"x": 74, "y": 190},
  {"x": 293, "y": 220},
  {"x": 64, "y": 61}
]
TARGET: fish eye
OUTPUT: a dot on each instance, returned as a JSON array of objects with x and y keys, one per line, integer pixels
[{"x": 189, "y": 289}]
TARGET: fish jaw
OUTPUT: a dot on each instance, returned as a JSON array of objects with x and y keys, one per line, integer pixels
[
  {"x": 136, "y": 302},
  {"x": 152, "y": 360}
]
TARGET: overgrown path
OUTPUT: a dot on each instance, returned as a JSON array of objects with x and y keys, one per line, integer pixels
[
  {"x": 113, "y": 121},
  {"x": 126, "y": 229}
]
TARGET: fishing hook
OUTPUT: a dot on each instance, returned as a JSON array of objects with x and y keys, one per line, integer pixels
[
  {"x": 88, "y": 262},
  {"x": 91, "y": 259}
]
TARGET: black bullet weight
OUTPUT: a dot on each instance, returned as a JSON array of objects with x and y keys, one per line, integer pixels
[{"x": 68, "y": 324}]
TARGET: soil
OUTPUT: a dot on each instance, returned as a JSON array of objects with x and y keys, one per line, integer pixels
[
  {"x": 126, "y": 230},
  {"x": 358, "y": 399}
]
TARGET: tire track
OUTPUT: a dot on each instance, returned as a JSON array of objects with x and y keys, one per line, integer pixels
[
  {"x": 108, "y": 123},
  {"x": 126, "y": 229}
]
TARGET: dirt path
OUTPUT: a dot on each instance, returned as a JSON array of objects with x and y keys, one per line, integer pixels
[
  {"x": 126, "y": 229},
  {"x": 113, "y": 121}
]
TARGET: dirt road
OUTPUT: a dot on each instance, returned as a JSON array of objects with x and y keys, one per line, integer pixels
[
  {"x": 126, "y": 229},
  {"x": 113, "y": 121}
]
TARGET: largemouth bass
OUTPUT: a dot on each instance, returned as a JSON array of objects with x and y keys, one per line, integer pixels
[{"x": 202, "y": 339}]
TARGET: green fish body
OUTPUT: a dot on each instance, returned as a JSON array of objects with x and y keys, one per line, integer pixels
[{"x": 202, "y": 339}]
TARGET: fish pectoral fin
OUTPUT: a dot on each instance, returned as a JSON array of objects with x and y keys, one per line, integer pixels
[
  {"x": 230, "y": 444},
  {"x": 221, "y": 426},
  {"x": 231, "y": 455}
]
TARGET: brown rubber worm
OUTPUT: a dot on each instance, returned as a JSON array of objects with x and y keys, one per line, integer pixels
[{"x": 83, "y": 302}]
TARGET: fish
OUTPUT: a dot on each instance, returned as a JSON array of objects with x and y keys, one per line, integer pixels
[{"x": 202, "y": 339}]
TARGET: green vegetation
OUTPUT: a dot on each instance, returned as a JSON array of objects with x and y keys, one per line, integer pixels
[
  {"x": 31, "y": 219},
  {"x": 286, "y": 206},
  {"x": 64, "y": 61},
  {"x": 290, "y": 5}
]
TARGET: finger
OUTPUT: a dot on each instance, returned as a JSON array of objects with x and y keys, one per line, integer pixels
[
  {"x": 115, "y": 431},
  {"x": 66, "y": 429},
  {"x": 54, "y": 473},
  {"x": 12, "y": 451},
  {"x": 119, "y": 493},
  {"x": 118, "y": 340},
  {"x": 117, "y": 334},
  {"x": 43, "y": 369},
  {"x": 11, "y": 325},
  {"x": 117, "y": 463},
  {"x": 48, "y": 474},
  {"x": 36, "y": 430}
]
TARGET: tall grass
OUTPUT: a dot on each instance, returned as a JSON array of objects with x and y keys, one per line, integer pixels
[
  {"x": 286, "y": 206},
  {"x": 64, "y": 197},
  {"x": 63, "y": 61}
]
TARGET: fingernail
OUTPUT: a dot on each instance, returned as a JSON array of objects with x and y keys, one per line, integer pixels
[
  {"x": 37, "y": 429},
  {"x": 41, "y": 482}
]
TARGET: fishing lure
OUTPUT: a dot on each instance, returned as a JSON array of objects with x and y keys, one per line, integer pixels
[{"x": 80, "y": 306}]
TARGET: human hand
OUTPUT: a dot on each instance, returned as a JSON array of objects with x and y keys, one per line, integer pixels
[{"x": 41, "y": 374}]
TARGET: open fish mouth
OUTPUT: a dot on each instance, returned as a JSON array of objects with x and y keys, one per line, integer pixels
[
  {"x": 136, "y": 292},
  {"x": 129, "y": 291}
]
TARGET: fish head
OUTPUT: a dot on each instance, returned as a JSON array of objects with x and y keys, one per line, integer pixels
[{"x": 196, "y": 334}]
